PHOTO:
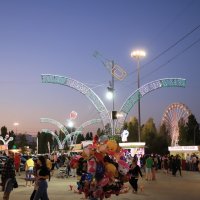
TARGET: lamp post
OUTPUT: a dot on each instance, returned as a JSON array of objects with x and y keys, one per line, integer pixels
[
  {"x": 111, "y": 96},
  {"x": 137, "y": 55}
]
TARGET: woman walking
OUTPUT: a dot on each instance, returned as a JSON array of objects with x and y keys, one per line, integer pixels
[
  {"x": 42, "y": 174},
  {"x": 134, "y": 173}
]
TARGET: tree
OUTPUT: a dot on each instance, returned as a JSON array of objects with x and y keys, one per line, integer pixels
[
  {"x": 11, "y": 143},
  {"x": 22, "y": 142},
  {"x": 189, "y": 132},
  {"x": 163, "y": 132},
  {"x": 89, "y": 136},
  {"x": 4, "y": 131},
  {"x": 80, "y": 138},
  {"x": 149, "y": 134},
  {"x": 43, "y": 139},
  {"x": 183, "y": 137},
  {"x": 100, "y": 132},
  {"x": 133, "y": 130}
]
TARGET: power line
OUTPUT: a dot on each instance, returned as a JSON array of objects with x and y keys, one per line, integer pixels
[
  {"x": 170, "y": 47},
  {"x": 174, "y": 57}
]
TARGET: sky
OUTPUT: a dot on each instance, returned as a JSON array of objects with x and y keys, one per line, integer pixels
[{"x": 60, "y": 37}]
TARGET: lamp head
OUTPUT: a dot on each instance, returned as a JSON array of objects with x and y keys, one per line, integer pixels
[{"x": 138, "y": 54}]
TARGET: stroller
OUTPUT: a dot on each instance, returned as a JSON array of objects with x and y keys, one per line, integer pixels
[{"x": 62, "y": 173}]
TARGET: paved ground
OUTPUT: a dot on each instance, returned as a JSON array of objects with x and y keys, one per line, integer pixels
[{"x": 164, "y": 188}]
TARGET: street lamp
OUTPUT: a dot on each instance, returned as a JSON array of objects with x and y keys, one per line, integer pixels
[
  {"x": 137, "y": 55},
  {"x": 16, "y": 124},
  {"x": 70, "y": 124}
]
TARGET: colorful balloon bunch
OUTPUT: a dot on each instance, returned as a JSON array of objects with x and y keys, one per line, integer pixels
[{"x": 102, "y": 169}]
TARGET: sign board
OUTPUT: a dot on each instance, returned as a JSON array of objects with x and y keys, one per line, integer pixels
[{"x": 183, "y": 148}]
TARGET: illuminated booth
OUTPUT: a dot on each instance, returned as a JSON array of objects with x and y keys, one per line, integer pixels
[
  {"x": 184, "y": 150},
  {"x": 134, "y": 148}
]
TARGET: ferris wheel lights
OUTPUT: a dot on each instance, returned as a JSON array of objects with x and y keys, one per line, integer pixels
[{"x": 171, "y": 117}]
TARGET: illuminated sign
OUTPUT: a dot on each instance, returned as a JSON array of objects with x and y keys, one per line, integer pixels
[{"x": 183, "y": 148}]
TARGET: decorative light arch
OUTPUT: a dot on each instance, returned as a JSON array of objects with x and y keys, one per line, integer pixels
[
  {"x": 61, "y": 145},
  {"x": 145, "y": 89},
  {"x": 68, "y": 136},
  {"x": 88, "y": 123},
  {"x": 6, "y": 141},
  {"x": 58, "y": 124},
  {"x": 88, "y": 92}
]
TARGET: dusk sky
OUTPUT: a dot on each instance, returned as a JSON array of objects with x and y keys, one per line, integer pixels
[{"x": 60, "y": 37}]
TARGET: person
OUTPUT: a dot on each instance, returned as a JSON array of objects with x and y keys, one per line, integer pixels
[
  {"x": 36, "y": 166},
  {"x": 67, "y": 164},
  {"x": 149, "y": 165},
  {"x": 17, "y": 162},
  {"x": 42, "y": 174},
  {"x": 134, "y": 173},
  {"x": 7, "y": 176},
  {"x": 178, "y": 164},
  {"x": 174, "y": 165},
  {"x": 52, "y": 165},
  {"x": 166, "y": 164},
  {"x": 29, "y": 170}
]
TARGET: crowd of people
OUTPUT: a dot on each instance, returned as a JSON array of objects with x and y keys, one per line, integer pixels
[{"x": 40, "y": 169}]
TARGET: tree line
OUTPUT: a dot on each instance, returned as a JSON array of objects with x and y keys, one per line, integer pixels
[{"x": 157, "y": 139}]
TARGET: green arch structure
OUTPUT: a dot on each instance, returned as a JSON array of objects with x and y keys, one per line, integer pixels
[
  {"x": 88, "y": 92},
  {"x": 145, "y": 89}
]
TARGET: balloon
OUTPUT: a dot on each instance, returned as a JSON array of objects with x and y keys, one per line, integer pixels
[
  {"x": 103, "y": 139},
  {"x": 95, "y": 139},
  {"x": 123, "y": 167},
  {"x": 111, "y": 170},
  {"x": 88, "y": 177},
  {"x": 86, "y": 153},
  {"x": 91, "y": 165},
  {"x": 104, "y": 181},
  {"x": 74, "y": 161},
  {"x": 98, "y": 193},
  {"x": 99, "y": 156},
  {"x": 102, "y": 148},
  {"x": 100, "y": 170},
  {"x": 112, "y": 145}
]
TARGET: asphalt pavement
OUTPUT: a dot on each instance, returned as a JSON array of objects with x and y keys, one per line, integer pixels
[{"x": 165, "y": 187}]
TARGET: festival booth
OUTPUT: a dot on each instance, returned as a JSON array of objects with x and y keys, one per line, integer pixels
[
  {"x": 4, "y": 148},
  {"x": 183, "y": 151},
  {"x": 76, "y": 149},
  {"x": 134, "y": 148}
]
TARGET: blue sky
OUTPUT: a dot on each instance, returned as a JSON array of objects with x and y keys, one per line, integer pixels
[{"x": 60, "y": 37}]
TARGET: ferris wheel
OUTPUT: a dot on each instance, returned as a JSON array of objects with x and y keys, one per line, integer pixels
[{"x": 173, "y": 113}]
